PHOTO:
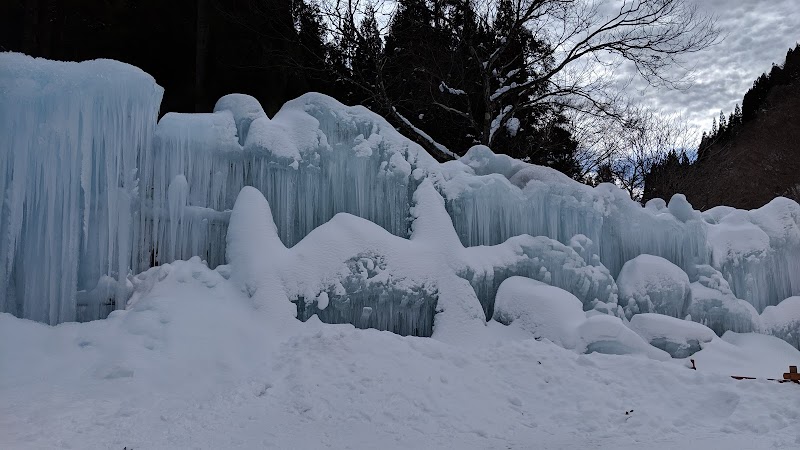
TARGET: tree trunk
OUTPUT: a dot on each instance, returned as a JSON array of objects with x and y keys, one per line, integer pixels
[
  {"x": 488, "y": 111},
  {"x": 414, "y": 134}
]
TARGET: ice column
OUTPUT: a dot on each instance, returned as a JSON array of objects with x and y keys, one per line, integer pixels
[{"x": 70, "y": 138}]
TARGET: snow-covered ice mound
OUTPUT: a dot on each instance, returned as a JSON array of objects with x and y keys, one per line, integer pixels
[
  {"x": 747, "y": 354},
  {"x": 714, "y": 305},
  {"x": 607, "y": 334},
  {"x": 547, "y": 312},
  {"x": 679, "y": 338},
  {"x": 783, "y": 320},
  {"x": 649, "y": 283},
  {"x": 349, "y": 270},
  {"x": 542, "y": 310}
]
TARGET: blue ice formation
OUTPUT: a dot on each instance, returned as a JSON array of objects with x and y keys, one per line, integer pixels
[
  {"x": 71, "y": 135},
  {"x": 94, "y": 191}
]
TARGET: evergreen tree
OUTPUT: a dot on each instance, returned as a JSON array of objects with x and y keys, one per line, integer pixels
[
  {"x": 737, "y": 116},
  {"x": 368, "y": 55}
]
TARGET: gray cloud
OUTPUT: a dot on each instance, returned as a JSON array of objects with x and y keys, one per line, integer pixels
[{"x": 756, "y": 34}]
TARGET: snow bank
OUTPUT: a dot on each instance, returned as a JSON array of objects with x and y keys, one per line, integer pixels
[
  {"x": 196, "y": 365},
  {"x": 746, "y": 354}
]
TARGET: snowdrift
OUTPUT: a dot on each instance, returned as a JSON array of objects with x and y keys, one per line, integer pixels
[
  {"x": 195, "y": 362},
  {"x": 95, "y": 191}
]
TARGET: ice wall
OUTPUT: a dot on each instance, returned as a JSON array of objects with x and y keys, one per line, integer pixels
[
  {"x": 70, "y": 138},
  {"x": 86, "y": 196},
  {"x": 350, "y": 270},
  {"x": 316, "y": 158}
]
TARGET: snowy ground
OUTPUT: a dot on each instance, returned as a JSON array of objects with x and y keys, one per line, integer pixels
[{"x": 193, "y": 364}]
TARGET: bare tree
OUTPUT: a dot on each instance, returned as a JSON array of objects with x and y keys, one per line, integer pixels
[
  {"x": 586, "y": 40},
  {"x": 650, "y": 140}
]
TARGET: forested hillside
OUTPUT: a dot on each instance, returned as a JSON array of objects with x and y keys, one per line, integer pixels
[{"x": 750, "y": 156}]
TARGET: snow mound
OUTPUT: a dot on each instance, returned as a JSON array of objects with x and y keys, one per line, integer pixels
[
  {"x": 609, "y": 335},
  {"x": 254, "y": 248},
  {"x": 649, "y": 283},
  {"x": 543, "y": 311},
  {"x": 542, "y": 259},
  {"x": 679, "y": 338},
  {"x": 746, "y": 354},
  {"x": 245, "y": 110},
  {"x": 547, "y": 312}
]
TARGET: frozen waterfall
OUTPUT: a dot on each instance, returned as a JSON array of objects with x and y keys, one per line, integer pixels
[
  {"x": 71, "y": 135},
  {"x": 93, "y": 190}
]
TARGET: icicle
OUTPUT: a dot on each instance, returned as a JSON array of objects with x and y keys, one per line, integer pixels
[
  {"x": 77, "y": 168},
  {"x": 70, "y": 138}
]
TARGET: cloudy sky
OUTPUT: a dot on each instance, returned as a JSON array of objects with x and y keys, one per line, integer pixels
[{"x": 756, "y": 34}]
